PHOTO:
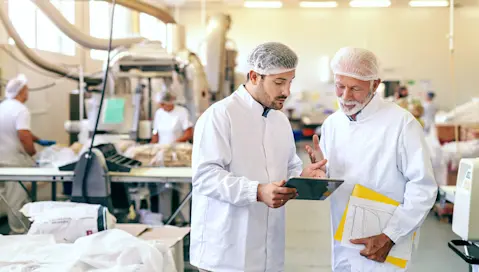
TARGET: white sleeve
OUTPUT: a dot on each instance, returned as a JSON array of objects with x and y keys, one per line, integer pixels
[
  {"x": 322, "y": 145},
  {"x": 421, "y": 188},
  {"x": 295, "y": 164},
  {"x": 23, "y": 120},
  {"x": 211, "y": 158},
  {"x": 185, "y": 120},
  {"x": 156, "y": 121}
]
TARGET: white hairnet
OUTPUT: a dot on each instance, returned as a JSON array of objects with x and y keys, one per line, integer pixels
[
  {"x": 15, "y": 85},
  {"x": 357, "y": 63},
  {"x": 272, "y": 58}
]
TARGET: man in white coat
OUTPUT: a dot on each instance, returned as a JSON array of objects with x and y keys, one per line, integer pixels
[
  {"x": 243, "y": 151},
  {"x": 379, "y": 145},
  {"x": 16, "y": 148}
]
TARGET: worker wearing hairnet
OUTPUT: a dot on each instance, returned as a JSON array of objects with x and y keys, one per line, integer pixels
[
  {"x": 172, "y": 122},
  {"x": 243, "y": 151},
  {"x": 379, "y": 145},
  {"x": 430, "y": 110},
  {"x": 171, "y": 125},
  {"x": 16, "y": 147}
]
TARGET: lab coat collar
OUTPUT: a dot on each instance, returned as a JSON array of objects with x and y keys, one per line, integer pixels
[
  {"x": 251, "y": 102},
  {"x": 371, "y": 108}
]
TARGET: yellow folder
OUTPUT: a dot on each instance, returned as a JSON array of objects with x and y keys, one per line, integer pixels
[{"x": 366, "y": 193}]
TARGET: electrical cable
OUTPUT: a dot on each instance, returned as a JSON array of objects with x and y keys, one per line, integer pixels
[{"x": 105, "y": 81}]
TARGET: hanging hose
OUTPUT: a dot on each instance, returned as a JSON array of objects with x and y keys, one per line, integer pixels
[
  {"x": 105, "y": 80},
  {"x": 452, "y": 72}
]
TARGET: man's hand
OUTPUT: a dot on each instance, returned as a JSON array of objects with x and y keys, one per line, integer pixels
[
  {"x": 315, "y": 153},
  {"x": 274, "y": 195},
  {"x": 315, "y": 170},
  {"x": 377, "y": 247}
]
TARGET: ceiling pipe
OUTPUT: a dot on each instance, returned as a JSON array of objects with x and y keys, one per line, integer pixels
[
  {"x": 37, "y": 60},
  {"x": 75, "y": 34},
  {"x": 161, "y": 14}
]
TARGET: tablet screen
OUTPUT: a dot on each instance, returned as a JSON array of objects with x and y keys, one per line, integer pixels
[{"x": 313, "y": 189}]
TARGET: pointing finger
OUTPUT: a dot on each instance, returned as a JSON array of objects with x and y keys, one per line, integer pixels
[
  {"x": 319, "y": 165},
  {"x": 316, "y": 142},
  {"x": 310, "y": 151}
]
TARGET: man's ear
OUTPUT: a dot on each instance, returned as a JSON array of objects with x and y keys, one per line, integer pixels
[
  {"x": 254, "y": 77},
  {"x": 376, "y": 84}
]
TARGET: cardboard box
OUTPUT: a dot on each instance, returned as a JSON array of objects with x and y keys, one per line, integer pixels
[
  {"x": 469, "y": 132},
  {"x": 451, "y": 176},
  {"x": 168, "y": 235},
  {"x": 446, "y": 133}
]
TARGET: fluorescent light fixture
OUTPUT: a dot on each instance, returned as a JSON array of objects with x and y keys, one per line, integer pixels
[
  {"x": 318, "y": 4},
  {"x": 370, "y": 3},
  {"x": 263, "y": 4},
  {"x": 417, "y": 3}
]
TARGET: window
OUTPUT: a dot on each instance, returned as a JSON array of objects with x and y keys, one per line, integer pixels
[
  {"x": 100, "y": 13},
  {"x": 23, "y": 14},
  {"x": 152, "y": 28},
  {"x": 37, "y": 31}
]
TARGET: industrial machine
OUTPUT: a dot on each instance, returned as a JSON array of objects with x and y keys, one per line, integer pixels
[
  {"x": 136, "y": 70},
  {"x": 138, "y": 62},
  {"x": 465, "y": 218}
]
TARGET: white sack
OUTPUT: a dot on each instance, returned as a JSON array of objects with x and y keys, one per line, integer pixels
[
  {"x": 108, "y": 251},
  {"x": 68, "y": 223}
]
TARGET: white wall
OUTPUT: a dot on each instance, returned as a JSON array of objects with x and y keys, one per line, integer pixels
[{"x": 410, "y": 43}]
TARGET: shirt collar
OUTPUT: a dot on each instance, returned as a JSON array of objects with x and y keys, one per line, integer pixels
[
  {"x": 251, "y": 102},
  {"x": 371, "y": 108}
]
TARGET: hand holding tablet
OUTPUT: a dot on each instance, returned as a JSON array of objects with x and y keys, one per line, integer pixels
[{"x": 313, "y": 188}]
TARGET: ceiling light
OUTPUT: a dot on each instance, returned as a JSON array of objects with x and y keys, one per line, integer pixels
[
  {"x": 319, "y": 4},
  {"x": 429, "y": 3},
  {"x": 263, "y": 4},
  {"x": 370, "y": 3}
]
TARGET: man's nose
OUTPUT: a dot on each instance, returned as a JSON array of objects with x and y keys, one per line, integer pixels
[
  {"x": 286, "y": 91},
  {"x": 347, "y": 94}
]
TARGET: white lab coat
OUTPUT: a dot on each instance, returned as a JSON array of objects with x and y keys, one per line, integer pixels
[
  {"x": 429, "y": 115},
  {"x": 235, "y": 149},
  {"x": 14, "y": 116},
  {"x": 384, "y": 150},
  {"x": 171, "y": 125}
]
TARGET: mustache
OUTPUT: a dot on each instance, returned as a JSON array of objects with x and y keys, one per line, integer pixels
[
  {"x": 281, "y": 97},
  {"x": 346, "y": 102}
]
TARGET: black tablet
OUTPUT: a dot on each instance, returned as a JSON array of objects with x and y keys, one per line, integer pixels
[{"x": 313, "y": 188}]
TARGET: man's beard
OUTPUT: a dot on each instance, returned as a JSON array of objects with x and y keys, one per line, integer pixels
[
  {"x": 358, "y": 106},
  {"x": 276, "y": 103}
]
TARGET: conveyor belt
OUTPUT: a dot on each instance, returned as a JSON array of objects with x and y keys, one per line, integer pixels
[
  {"x": 153, "y": 175},
  {"x": 160, "y": 174},
  {"x": 35, "y": 174}
]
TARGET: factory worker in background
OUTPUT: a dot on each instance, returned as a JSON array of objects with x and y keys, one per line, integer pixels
[
  {"x": 16, "y": 147},
  {"x": 172, "y": 122},
  {"x": 430, "y": 110},
  {"x": 379, "y": 145},
  {"x": 243, "y": 151},
  {"x": 171, "y": 125}
]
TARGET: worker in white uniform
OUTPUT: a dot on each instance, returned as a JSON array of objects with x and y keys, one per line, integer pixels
[
  {"x": 430, "y": 110},
  {"x": 243, "y": 151},
  {"x": 379, "y": 145},
  {"x": 16, "y": 148},
  {"x": 171, "y": 125},
  {"x": 172, "y": 122}
]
